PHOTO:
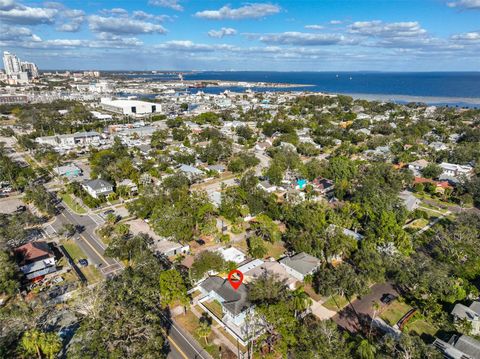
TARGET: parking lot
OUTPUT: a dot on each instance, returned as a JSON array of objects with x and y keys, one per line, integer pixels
[{"x": 10, "y": 205}]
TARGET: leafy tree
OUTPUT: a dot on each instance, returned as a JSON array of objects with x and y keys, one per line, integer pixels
[
  {"x": 319, "y": 339},
  {"x": 182, "y": 215},
  {"x": 408, "y": 346},
  {"x": 256, "y": 247},
  {"x": 242, "y": 162},
  {"x": 173, "y": 288},
  {"x": 158, "y": 139},
  {"x": 215, "y": 151},
  {"x": 265, "y": 228},
  {"x": 205, "y": 262},
  {"x": 127, "y": 320},
  {"x": 432, "y": 170},
  {"x": 245, "y": 132},
  {"x": 130, "y": 249},
  {"x": 41, "y": 198},
  {"x": 40, "y": 344},
  {"x": 366, "y": 350},
  {"x": 267, "y": 289},
  {"x": 9, "y": 274}
]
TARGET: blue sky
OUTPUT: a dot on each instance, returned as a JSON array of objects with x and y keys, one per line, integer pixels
[{"x": 312, "y": 35}]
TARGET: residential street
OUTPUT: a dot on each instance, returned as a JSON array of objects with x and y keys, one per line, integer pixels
[
  {"x": 87, "y": 239},
  {"x": 183, "y": 346}
]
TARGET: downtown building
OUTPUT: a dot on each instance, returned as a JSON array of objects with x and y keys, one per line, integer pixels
[{"x": 18, "y": 71}]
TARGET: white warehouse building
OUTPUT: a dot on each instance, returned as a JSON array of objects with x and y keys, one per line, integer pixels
[{"x": 130, "y": 107}]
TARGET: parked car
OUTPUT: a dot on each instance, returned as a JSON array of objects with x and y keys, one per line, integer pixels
[
  {"x": 387, "y": 298},
  {"x": 83, "y": 262}
]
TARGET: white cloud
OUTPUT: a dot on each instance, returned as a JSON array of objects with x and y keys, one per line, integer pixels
[
  {"x": 118, "y": 11},
  {"x": 121, "y": 25},
  {"x": 76, "y": 17},
  {"x": 249, "y": 11},
  {"x": 171, "y": 4},
  {"x": 142, "y": 15},
  {"x": 468, "y": 37},
  {"x": 16, "y": 13},
  {"x": 301, "y": 38},
  {"x": 190, "y": 46},
  {"x": 314, "y": 27},
  {"x": 16, "y": 34},
  {"x": 224, "y": 31},
  {"x": 379, "y": 28},
  {"x": 465, "y": 4},
  {"x": 6, "y": 5},
  {"x": 336, "y": 22}
]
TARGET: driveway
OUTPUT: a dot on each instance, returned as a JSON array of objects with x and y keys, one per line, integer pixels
[
  {"x": 347, "y": 318},
  {"x": 321, "y": 312}
]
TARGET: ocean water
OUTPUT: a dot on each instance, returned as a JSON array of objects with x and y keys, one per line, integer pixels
[{"x": 451, "y": 88}]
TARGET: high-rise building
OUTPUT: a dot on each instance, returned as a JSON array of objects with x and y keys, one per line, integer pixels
[
  {"x": 30, "y": 68},
  {"x": 11, "y": 63},
  {"x": 17, "y": 70}
]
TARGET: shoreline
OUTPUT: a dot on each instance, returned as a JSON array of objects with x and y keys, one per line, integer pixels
[{"x": 410, "y": 98}]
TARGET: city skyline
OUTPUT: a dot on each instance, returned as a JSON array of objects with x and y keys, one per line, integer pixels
[{"x": 431, "y": 35}]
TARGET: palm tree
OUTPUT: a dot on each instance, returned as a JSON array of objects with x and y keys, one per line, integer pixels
[
  {"x": 366, "y": 350},
  {"x": 301, "y": 301},
  {"x": 204, "y": 330}
]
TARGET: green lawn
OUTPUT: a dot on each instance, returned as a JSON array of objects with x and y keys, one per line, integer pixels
[
  {"x": 73, "y": 249},
  {"x": 70, "y": 202},
  {"x": 394, "y": 312},
  {"x": 275, "y": 250},
  {"x": 418, "y": 223},
  {"x": 215, "y": 307},
  {"x": 311, "y": 292},
  {"x": 92, "y": 274},
  {"x": 420, "y": 326},
  {"x": 336, "y": 303}
]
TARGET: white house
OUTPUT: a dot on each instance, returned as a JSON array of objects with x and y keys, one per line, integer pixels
[
  {"x": 231, "y": 254},
  {"x": 456, "y": 171},
  {"x": 97, "y": 187}
]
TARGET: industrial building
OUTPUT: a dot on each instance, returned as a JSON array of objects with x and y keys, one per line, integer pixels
[{"x": 130, "y": 107}]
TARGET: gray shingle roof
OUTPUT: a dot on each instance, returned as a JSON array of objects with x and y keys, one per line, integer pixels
[
  {"x": 468, "y": 345},
  {"x": 302, "y": 262},
  {"x": 98, "y": 184},
  {"x": 235, "y": 301}
]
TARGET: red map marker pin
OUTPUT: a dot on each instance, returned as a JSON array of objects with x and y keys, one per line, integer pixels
[{"x": 235, "y": 282}]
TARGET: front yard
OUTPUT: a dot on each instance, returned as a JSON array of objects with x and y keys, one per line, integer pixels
[
  {"x": 215, "y": 307},
  {"x": 92, "y": 274},
  {"x": 275, "y": 250},
  {"x": 394, "y": 312},
  {"x": 416, "y": 325},
  {"x": 336, "y": 303},
  {"x": 70, "y": 202},
  {"x": 190, "y": 323}
]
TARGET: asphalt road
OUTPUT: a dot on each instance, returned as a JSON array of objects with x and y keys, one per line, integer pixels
[
  {"x": 88, "y": 241},
  {"x": 183, "y": 346}
]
